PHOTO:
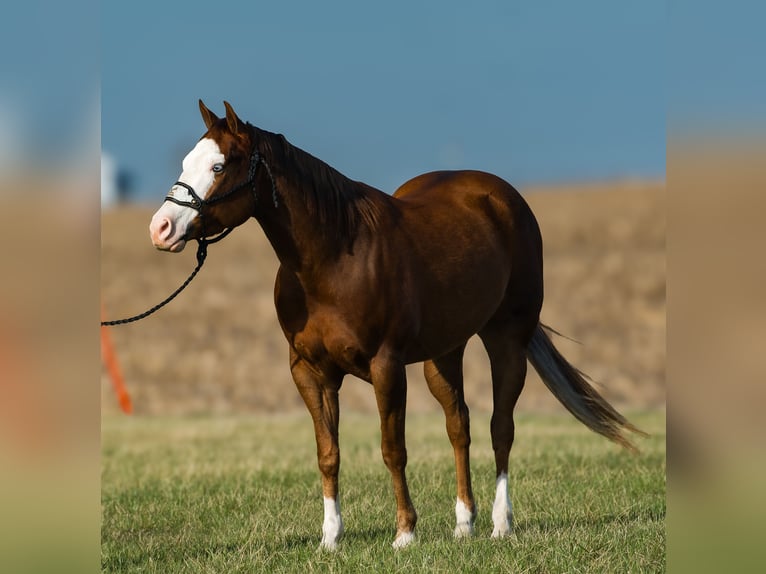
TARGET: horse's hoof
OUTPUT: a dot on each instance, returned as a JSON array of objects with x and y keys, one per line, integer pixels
[
  {"x": 502, "y": 531},
  {"x": 330, "y": 542},
  {"x": 403, "y": 539},
  {"x": 328, "y": 545}
]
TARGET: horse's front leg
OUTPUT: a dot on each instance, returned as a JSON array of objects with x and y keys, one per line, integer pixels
[
  {"x": 389, "y": 380},
  {"x": 320, "y": 393}
]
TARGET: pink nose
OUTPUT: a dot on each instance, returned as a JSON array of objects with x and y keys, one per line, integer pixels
[{"x": 161, "y": 229}]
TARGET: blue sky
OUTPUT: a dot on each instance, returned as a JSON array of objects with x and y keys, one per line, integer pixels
[
  {"x": 49, "y": 69},
  {"x": 534, "y": 92},
  {"x": 537, "y": 92}
]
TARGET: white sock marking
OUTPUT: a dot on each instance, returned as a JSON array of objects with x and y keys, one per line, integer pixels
[
  {"x": 502, "y": 511},
  {"x": 332, "y": 528},
  {"x": 464, "y": 520}
]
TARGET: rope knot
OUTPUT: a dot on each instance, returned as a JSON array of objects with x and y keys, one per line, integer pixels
[{"x": 201, "y": 251}]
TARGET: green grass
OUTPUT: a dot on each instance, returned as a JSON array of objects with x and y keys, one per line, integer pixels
[{"x": 243, "y": 495}]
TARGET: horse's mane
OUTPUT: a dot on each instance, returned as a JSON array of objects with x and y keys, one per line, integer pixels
[{"x": 340, "y": 204}]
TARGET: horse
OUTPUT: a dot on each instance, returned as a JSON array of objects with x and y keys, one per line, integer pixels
[{"x": 369, "y": 282}]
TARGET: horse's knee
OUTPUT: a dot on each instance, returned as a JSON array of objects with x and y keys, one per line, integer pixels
[
  {"x": 394, "y": 458},
  {"x": 329, "y": 462}
]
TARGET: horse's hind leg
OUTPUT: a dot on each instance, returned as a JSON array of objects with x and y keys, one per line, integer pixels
[
  {"x": 507, "y": 355},
  {"x": 445, "y": 381}
]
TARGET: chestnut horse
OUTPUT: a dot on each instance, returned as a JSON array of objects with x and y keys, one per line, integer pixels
[{"x": 370, "y": 282}]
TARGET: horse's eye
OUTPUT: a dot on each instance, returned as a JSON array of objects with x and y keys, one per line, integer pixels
[{"x": 218, "y": 167}]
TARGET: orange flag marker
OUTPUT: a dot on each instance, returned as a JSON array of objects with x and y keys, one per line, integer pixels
[{"x": 113, "y": 368}]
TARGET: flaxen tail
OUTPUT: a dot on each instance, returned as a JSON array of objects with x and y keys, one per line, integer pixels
[{"x": 571, "y": 388}]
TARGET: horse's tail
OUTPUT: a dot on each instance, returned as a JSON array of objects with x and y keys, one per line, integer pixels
[{"x": 571, "y": 388}]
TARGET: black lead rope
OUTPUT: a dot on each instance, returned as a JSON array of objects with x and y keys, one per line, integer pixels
[
  {"x": 201, "y": 255},
  {"x": 197, "y": 203}
]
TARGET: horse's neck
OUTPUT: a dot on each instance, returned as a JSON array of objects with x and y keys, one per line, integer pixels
[{"x": 301, "y": 237}]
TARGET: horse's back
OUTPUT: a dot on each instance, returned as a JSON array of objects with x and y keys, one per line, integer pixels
[
  {"x": 447, "y": 183},
  {"x": 448, "y": 201}
]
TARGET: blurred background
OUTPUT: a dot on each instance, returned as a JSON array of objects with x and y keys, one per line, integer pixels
[
  {"x": 49, "y": 287},
  {"x": 564, "y": 101}
]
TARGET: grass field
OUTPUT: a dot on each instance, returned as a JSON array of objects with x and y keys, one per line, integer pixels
[{"x": 242, "y": 494}]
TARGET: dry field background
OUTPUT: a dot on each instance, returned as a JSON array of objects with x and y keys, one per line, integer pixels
[{"x": 218, "y": 347}]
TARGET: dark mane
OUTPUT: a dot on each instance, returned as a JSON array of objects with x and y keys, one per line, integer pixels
[{"x": 340, "y": 204}]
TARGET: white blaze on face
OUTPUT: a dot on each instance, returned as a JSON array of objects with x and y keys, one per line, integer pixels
[{"x": 169, "y": 225}]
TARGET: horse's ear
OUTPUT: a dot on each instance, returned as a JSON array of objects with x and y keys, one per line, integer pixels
[
  {"x": 231, "y": 118},
  {"x": 207, "y": 116}
]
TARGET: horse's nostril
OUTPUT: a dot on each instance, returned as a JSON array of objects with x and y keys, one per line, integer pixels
[{"x": 166, "y": 228}]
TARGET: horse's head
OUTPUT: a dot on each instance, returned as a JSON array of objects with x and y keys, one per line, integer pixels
[{"x": 215, "y": 190}]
